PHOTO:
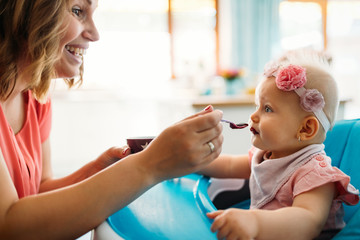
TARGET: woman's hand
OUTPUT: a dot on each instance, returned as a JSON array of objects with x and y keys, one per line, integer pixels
[
  {"x": 111, "y": 156},
  {"x": 183, "y": 148}
]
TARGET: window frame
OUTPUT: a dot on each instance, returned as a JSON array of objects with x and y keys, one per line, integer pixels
[
  {"x": 323, "y": 5},
  {"x": 170, "y": 31}
]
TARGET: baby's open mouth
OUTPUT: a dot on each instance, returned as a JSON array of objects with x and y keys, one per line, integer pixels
[
  {"x": 75, "y": 51},
  {"x": 253, "y": 130}
]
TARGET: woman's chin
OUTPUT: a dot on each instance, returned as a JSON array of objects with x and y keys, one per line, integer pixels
[
  {"x": 68, "y": 74},
  {"x": 67, "y": 69}
]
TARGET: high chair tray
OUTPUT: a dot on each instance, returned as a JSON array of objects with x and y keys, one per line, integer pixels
[{"x": 173, "y": 209}]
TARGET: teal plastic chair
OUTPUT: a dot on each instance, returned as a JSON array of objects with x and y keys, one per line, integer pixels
[
  {"x": 342, "y": 144},
  {"x": 173, "y": 209}
]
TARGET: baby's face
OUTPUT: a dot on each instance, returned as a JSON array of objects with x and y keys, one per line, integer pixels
[{"x": 276, "y": 120}]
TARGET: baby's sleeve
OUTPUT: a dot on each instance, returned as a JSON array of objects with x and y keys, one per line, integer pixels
[{"x": 319, "y": 172}]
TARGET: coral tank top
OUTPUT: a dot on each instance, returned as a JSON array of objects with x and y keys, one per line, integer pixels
[{"x": 23, "y": 151}]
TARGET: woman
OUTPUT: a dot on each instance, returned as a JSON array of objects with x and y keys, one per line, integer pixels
[{"x": 45, "y": 39}]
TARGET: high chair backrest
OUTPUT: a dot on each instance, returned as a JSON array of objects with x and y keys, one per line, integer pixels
[{"x": 342, "y": 144}]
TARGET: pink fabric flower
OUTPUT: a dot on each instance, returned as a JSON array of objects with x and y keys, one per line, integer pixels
[
  {"x": 291, "y": 77},
  {"x": 312, "y": 100},
  {"x": 271, "y": 68}
]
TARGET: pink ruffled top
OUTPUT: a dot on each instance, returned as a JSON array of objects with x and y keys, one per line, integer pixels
[
  {"x": 275, "y": 183},
  {"x": 22, "y": 151}
]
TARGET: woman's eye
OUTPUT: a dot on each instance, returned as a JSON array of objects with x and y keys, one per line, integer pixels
[
  {"x": 268, "y": 109},
  {"x": 77, "y": 11}
]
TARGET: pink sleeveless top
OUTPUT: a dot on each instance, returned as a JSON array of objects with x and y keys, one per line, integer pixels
[{"x": 23, "y": 151}]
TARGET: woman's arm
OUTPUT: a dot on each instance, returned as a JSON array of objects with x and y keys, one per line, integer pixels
[
  {"x": 69, "y": 212},
  {"x": 106, "y": 159},
  {"x": 228, "y": 166}
]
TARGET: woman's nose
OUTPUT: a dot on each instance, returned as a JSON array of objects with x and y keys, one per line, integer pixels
[{"x": 91, "y": 32}]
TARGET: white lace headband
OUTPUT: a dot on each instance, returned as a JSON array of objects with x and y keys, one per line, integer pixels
[{"x": 293, "y": 77}]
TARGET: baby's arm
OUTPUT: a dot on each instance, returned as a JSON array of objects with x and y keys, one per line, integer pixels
[
  {"x": 228, "y": 166},
  {"x": 303, "y": 220}
]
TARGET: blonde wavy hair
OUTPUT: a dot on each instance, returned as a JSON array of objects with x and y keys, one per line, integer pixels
[{"x": 34, "y": 28}]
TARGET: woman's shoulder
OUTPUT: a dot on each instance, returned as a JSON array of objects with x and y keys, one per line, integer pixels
[
  {"x": 42, "y": 109},
  {"x": 40, "y": 113}
]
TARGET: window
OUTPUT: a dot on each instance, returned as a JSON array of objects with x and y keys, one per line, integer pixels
[
  {"x": 133, "y": 46},
  {"x": 343, "y": 44},
  {"x": 301, "y": 25},
  {"x": 332, "y": 26},
  {"x": 194, "y": 36},
  {"x": 146, "y": 42}
]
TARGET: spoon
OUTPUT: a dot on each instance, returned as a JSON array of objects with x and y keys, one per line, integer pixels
[{"x": 235, "y": 126}]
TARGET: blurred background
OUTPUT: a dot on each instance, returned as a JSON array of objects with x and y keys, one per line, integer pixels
[{"x": 160, "y": 60}]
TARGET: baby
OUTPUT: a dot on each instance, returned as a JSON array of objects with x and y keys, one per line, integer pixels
[{"x": 289, "y": 171}]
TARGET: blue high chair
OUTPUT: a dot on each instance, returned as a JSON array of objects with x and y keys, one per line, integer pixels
[
  {"x": 176, "y": 209},
  {"x": 342, "y": 144}
]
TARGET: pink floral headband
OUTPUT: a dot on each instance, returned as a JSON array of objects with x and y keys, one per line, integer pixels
[{"x": 293, "y": 77}]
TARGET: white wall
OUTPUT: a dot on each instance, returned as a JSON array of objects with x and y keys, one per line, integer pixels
[{"x": 86, "y": 123}]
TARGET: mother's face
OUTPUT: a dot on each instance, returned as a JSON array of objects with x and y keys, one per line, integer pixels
[{"x": 80, "y": 30}]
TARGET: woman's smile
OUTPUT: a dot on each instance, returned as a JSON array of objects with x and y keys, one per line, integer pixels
[
  {"x": 75, "y": 50},
  {"x": 75, "y": 53}
]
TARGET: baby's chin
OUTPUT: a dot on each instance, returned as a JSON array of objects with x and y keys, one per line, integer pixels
[{"x": 255, "y": 143}]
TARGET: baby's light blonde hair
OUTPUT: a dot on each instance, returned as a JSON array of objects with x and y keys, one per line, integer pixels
[{"x": 319, "y": 76}]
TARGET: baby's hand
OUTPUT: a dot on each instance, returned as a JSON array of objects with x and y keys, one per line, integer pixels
[{"x": 234, "y": 224}]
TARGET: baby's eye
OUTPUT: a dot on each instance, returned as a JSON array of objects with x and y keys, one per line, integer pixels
[{"x": 268, "y": 109}]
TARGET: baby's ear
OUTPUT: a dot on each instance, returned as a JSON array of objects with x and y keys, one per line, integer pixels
[{"x": 309, "y": 128}]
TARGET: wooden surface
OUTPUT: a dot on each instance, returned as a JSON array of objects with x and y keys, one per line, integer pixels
[{"x": 224, "y": 101}]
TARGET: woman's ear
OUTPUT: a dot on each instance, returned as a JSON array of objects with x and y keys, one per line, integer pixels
[{"x": 308, "y": 129}]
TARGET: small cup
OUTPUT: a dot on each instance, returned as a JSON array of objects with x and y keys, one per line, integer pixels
[{"x": 138, "y": 144}]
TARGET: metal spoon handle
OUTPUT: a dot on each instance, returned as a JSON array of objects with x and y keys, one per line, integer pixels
[{"x": 224, "y": 120}]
